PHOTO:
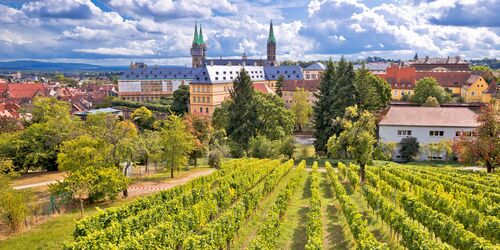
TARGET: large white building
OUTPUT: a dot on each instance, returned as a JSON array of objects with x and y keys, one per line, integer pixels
[{"x": 426, "y": 124}]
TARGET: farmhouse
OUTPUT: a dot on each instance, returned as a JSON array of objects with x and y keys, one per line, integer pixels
[{"x": 426, "y": 124}]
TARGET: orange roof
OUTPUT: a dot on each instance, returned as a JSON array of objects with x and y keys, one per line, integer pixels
[
  {"x": 263, "y": 88},
  {"x": 430, "y": 117},
  {"x": 26, "y": 90}
]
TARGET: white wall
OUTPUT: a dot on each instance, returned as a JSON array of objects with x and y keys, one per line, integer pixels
[{"x": 390, "y": 134}]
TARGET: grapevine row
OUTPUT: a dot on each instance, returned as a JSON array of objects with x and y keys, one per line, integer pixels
[
  {"x": 357, "y": 224},
  {"x": 314, "y": 223},
  {"x": 485, "y": 226},
  {"x": 269, "y": 231}
]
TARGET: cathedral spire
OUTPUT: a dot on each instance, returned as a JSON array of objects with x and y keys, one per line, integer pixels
[
  {"x": 195, "y": 39},
  {"x": 271, "y": 38},
  {"x": 200, "y": 38}
]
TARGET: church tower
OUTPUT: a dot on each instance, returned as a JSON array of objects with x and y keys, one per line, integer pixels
[
  {"x": 198, "y": 48},
  {"x": 271, "y": 47}
]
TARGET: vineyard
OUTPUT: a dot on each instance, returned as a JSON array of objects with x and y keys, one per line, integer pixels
[{"x": 269, "y": 204}]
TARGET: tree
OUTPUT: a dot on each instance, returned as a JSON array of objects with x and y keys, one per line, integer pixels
[
  {"x": 143, "y": 117},
  {"x": 261, "y": 147},
  {"x": 181, "y": 100},
  {"x": 357, "y": 139},
  {"x": 482, "y": 146},
  {"x": 384, "y": 150},
  {"x": 432, "y": 150},
  {"x": 426, "y": 87},
  {"x": 273, "y": 120},
  {"x": 301, "y": 108},
  {"x": 374, "y": 93},
  {"x": 9, "y": 124},
  {"x": 91, "y": 171},
  {"x": 177, "y": 142},
  {"x": 288, "y": 147},
  {"x": 150, "y": 148},
  {"x": 409, "y": 149},
  {"x": 431, "y": 102},
  {"x": 336, "y": 93},
  {"x": 242, "y": 112},
  {"x": 200, "y": 127},
  {"x": 50, "y": 109},
  {"x": 14, "y": 207},
  {"x": 279, "y": 86},
  {"x": 481, "y": 68}
]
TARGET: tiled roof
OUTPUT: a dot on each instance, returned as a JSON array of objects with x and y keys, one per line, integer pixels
[
  {"x": 446, "y": 79},
  {"x": 373, "y": 66},
  {"x": 292, "y": 72},
  {"x": 262, "y": 87},
  {"x": 439, "y": 60},
  {"x": 159, "y": 73},
  {"x": 316, "y": 66},
  {"x": 26, "y": 90},
  {"x": 308, "y": 85},
  {"x": 4, "y": 87},
  {"x": 492, "y": 88},
  {"x": 430, "y": 116}
]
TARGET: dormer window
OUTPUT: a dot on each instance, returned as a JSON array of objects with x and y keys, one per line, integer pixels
[
  {"x": 216, "y": 78},
  {"x": 204, "y": 72},
  {"x": 216, "y": 72}
]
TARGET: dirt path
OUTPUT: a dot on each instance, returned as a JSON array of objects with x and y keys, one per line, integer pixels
[{"x": 149, "y": 187}]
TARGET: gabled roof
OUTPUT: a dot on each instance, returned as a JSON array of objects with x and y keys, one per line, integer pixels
[
  {"x": 316, "y": 66},
  {"x": 446, "y": 79},
  {"x": 26, "y": 90},
  {"x": 492, "y": 88},
  {"x": 430, "y": 117}
]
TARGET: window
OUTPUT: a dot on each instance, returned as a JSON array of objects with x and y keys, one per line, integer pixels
[
  {"x": 472, "y": 93},
  {"x": 206, "y": 109},
  {"x": 198, "y": 89},
  {"x": 201, "y": 110},
  {"x": 203, "y": 99},
  {"x": 395, "y": 92},
  {"x": 208, "y": 99},
  {"x": 435, "y": 133},
  {"x": 202, "y": 89},
  {"x": 458, "y": 133},
  {"x": 404, "y": 132},
  {"x": 216, "y": 78},
  {"x": 402, "y": 92}
]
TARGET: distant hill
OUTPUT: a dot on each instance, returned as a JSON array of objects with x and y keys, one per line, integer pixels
[{"x": 55, "y": 66}]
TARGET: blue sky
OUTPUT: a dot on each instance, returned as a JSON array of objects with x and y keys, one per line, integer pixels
[{"x": 115, "y": 32}]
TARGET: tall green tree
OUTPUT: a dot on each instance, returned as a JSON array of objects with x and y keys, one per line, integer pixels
[
  {"x": 181, "y": 100},
  {"x": 242, "y": 112},
  {"x": 177, "y": 142},
  {"x": 301, "y": 108},
  {"x": 47, "y": 109},
  {"x": 273, "y": 121},
  {"x": 357, "y": 139},
  {"x": 483, "y": 147},
  {"x": 279, "y": 86},
  {"x": 374, "y": 93},
  {"x": 336, "y": 93},
  {"x": 144, "y": 118},
  {"x": 426, "y": 87}
]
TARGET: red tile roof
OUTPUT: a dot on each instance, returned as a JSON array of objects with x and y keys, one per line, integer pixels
[
  {"x": 430, "y": 116},
  {"x": 263, "y": 88},
  {"x": 308, "y": 85},
  {"x": 446, "y": 79},
  {"x": 26, "y": 90}
]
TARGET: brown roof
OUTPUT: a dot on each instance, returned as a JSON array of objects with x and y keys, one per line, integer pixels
[
  {"x": 439, "y": 60},
  {"x": 446, "y": 79},
  {"x": 492, "y": 88},
  {"x": 430, "y": 116},
  {"x": 26, "y": 90},
  {"x": 308, "y": 85}
]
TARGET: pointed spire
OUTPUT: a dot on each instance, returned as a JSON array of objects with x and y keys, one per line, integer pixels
[
  {"x": 200, "y": 38},
  {"x": 195, "y": 39},
  {"x": 271, "y": 38}
]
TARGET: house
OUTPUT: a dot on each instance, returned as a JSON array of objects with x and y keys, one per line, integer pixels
[
  {"x": 491, "y": 93},
  {"x": 22, "y": 92},
  {"x": 290, "y": 86},
  {"x": 426, "y": 124},
  {"x": 212, "y": 84},
  {"x": 472, "y": 90},
  {"x": 443, "y": 64},
  {"x": 314, "y": 71}
]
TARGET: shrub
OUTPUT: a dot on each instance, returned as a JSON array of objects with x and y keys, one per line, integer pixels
[
  {"x": 215, "y": 158},
  {"x": 409, "y": 149}
]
